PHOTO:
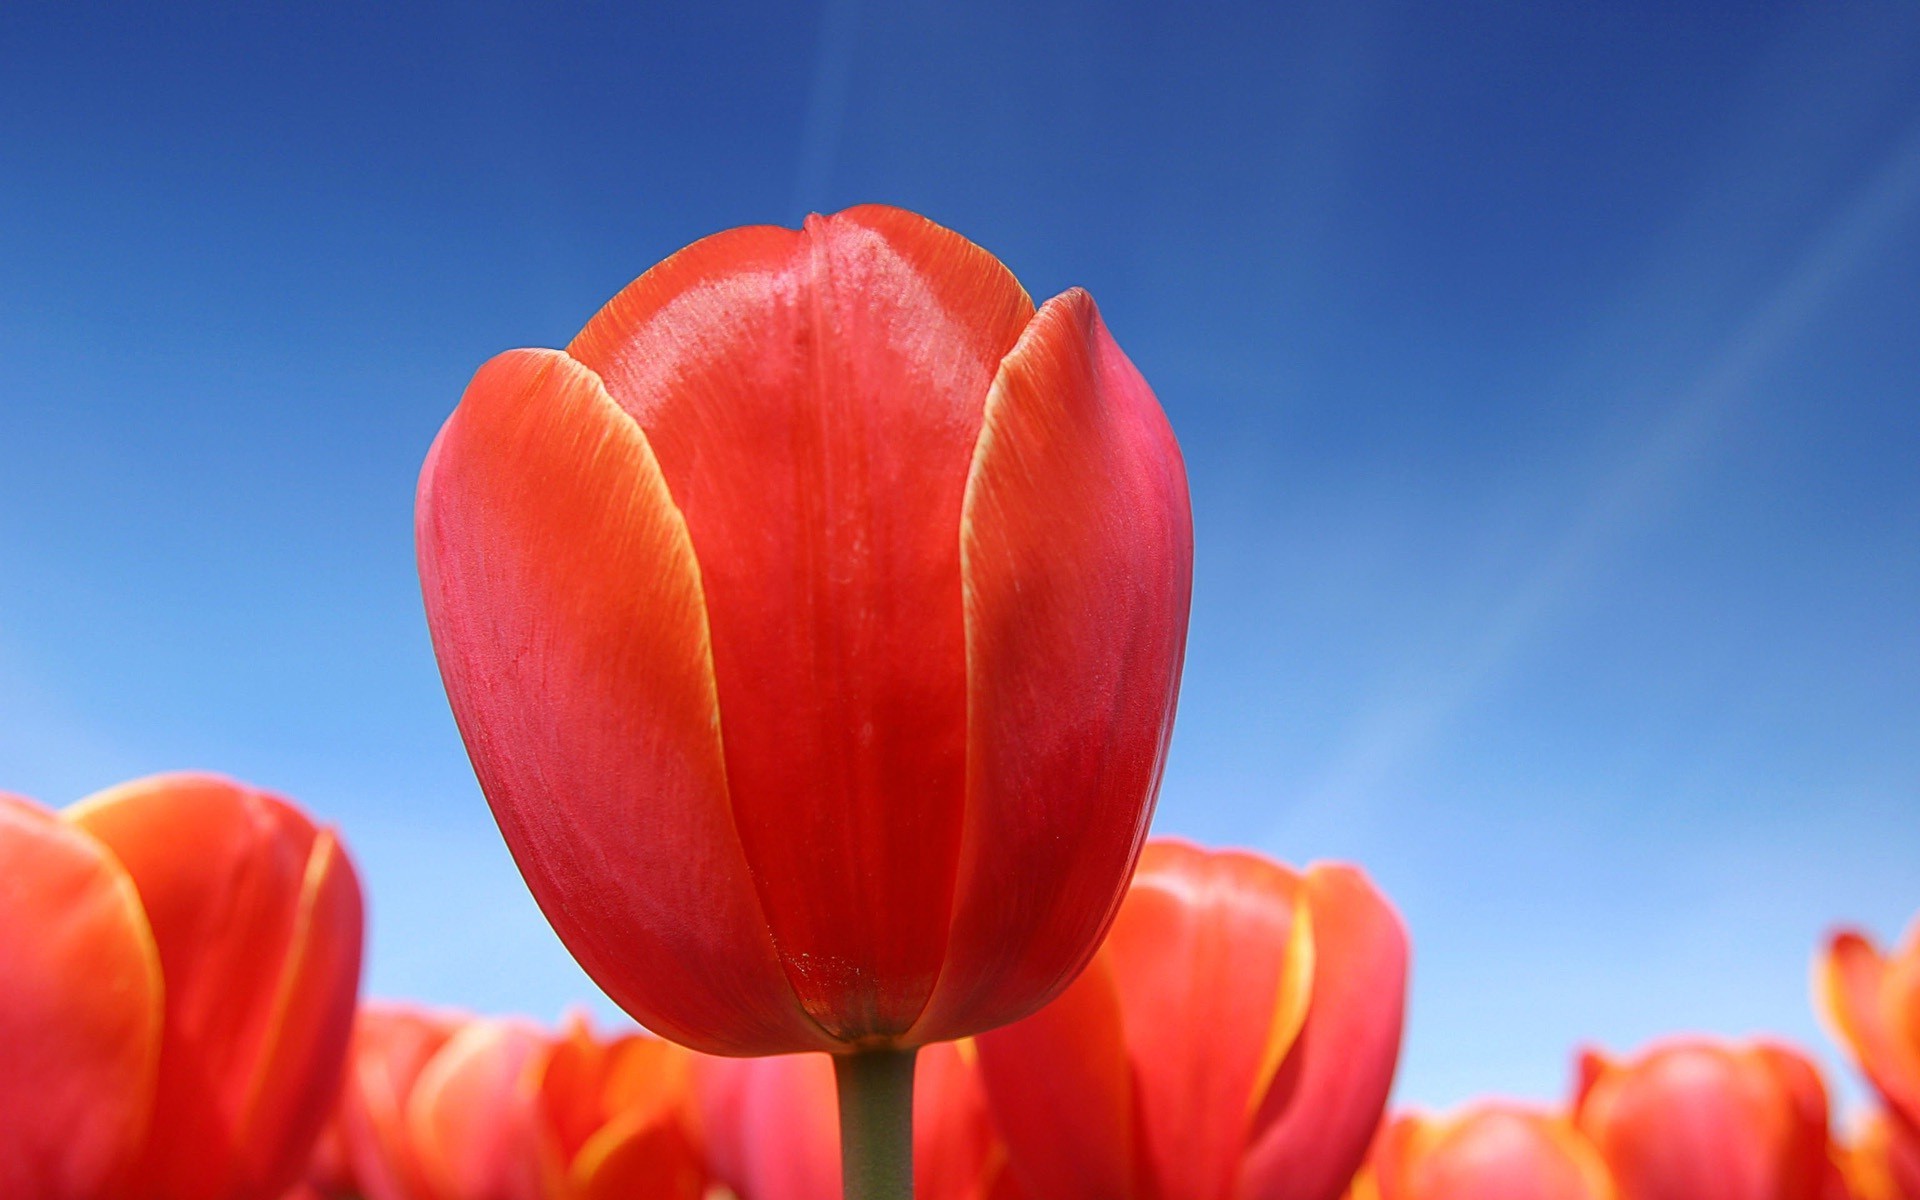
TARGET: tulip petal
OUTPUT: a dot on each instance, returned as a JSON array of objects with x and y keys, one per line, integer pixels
[
  {"x": 567, "y": 614},
  {"x": 771, "y": 1126},
  {"x": 1077, "y": 546},
  {"x": 80, "y": 1015},
  {"x": 956, "y": 1151},
  {"x": 391, "y": 1047},
  {"x": 471, "y": 1116},
  {"x": 629, "y": 1159},
  {"x": 1312, "y": 1130},
  {"x": 813, "y": 397},
  {"x": 313, "y": 1018},
  {"x": 1200, "y": 956},
  {"x": 1062, "y": 1094},
  {"x": 1498, "y": 1153},
  {"x": 1857, "y": 992},
  {"x": 242, "y": 919}
]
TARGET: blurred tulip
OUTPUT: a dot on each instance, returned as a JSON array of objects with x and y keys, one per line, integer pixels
[
  {"x": 445, "y": 1108},
  {"x": 814, "y": 623},
  {"x": 1488, "y": 1152},
  {"x": 190, "y": 949},
  {"x": 1871, "y": 1002},
  {"x": 773, "y": 1132},
  {"x": 1233, "y": 1040},
  {"x": 1881, "y": 1161},
  {"x": 1700, "y": 1120}
]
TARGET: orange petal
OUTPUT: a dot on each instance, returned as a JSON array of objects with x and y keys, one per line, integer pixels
[
  {"x": 1200, "y": 954},
  {"x": 1077, "y": 550},
  {"x": 567, "y": 614},
  {"x": 257, "y": 922},
  {"x": 629, "y": 1159},
  {"x": 1312, "y": 1128},
  {"x": 80, "y": 1014},
  {"x": 472, "y": 1115},
  {"x": 1062, "y": 1094},
  {"x": 814, "y": 398},
  {"x": 1857, "y": 991}
]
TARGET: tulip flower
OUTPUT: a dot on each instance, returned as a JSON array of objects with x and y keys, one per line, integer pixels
[
  {"x": 1491, "y": 1151},
  {"x": 444, "y": 1108},
  {"x": 772, "y": 1132},
  {"x": 182, "y": 956},
  {"x": 1871, "y": 1002},
  {"x": 1701, "y": 1120},
  {"x": 814, "y": 622},
  {"x": 1234, "y": 1039},
  {"x": 1881, "y": 1161}
]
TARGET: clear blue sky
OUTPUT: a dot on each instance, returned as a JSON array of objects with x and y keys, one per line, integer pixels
[{"x": 1549, "y": 377}]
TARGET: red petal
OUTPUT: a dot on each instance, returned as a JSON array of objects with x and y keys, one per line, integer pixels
[
  {"x": 1200, "y": 956},
  {"x": 79, "y": 1014},
  {"x": 1858, "y": 991},
  {"x": 1078, "y": 552},
  {"x": 567, "y": 614},
  {"x": 1313, "y": 1127},
  {"x": 814, "y": 398},
  {"x": 957, "y": 1152},
  {"x": 391, "y": 1046},
  {"x": 771, "y": 1125},
  {"x": 258, "y": 932},
  {"x": 1062, "y": 1094},
  {"x": 471, "y": 1117}
]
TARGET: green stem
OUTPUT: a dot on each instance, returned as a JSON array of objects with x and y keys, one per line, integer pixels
[{"x": 876, "y": 1124}]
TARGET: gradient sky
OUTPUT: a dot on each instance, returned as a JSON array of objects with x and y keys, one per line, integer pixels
[{"x": 1549, "y": 379}]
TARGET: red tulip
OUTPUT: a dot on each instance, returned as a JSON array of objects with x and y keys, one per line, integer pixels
[
  {"x": 1234, "y": 1039},
  {"x": 370, "y": 1152},
  {"x": 1881, "y": 1161},
  {"x": 814, "y": 622},
  {"x": 773, "y": 1132},
  {"x": 182, "y": 957},
  {"x": 1699, "y": 1120},
  {"x": 1871, "y": 1002},
  {"x": 1489, "y": 1152}
]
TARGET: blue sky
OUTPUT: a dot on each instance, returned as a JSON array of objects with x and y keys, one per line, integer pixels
[{"x": 1549, "y": 378}]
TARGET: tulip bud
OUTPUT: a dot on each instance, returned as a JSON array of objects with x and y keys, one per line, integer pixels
[
  {"x": 1699, "y": 1120},
  {"x": 1235, "y": 1037},
  {"x": 814, "y": 623},
  {"x": 1488, "y": 1152}
]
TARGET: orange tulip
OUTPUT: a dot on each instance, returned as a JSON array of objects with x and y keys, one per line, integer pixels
[
  {"x": 182, "y": 956},
  {"x": 443, "y": 1108},
  {"x": 1871, "y": 1002},
  {"x": 773, "y": 1131},
  {"x": 1233, "y": 1040},
  {"x": 814, "y": 623},
  {"x": 1881, "y": 1161},
  {"x": 1488, "y": 1152},
  {"x": 1700, "y": 1120}
]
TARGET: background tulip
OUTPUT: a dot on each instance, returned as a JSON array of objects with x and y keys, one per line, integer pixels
[
  {"x": 212, "y": 1024},
  {"x": 1487, "y": 1152},
  {"x": 79, "y": 1013},
  {"x": 1699, "y": 1120},
  {"x": 1871, "y": 1002},
  {"x": 773, "y": 1134},
  {"x": 1235, "y": 1038},
  {"x": 439, "y": 1107},
  {"x": 814, "y": 623}
]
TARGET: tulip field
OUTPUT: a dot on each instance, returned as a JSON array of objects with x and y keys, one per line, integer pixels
[
  {"x": 814, "y": 622},
  {"x": 959, "y": 600}
]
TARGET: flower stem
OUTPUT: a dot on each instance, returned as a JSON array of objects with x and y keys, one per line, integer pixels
[{"x": 876, "y": 1123}]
